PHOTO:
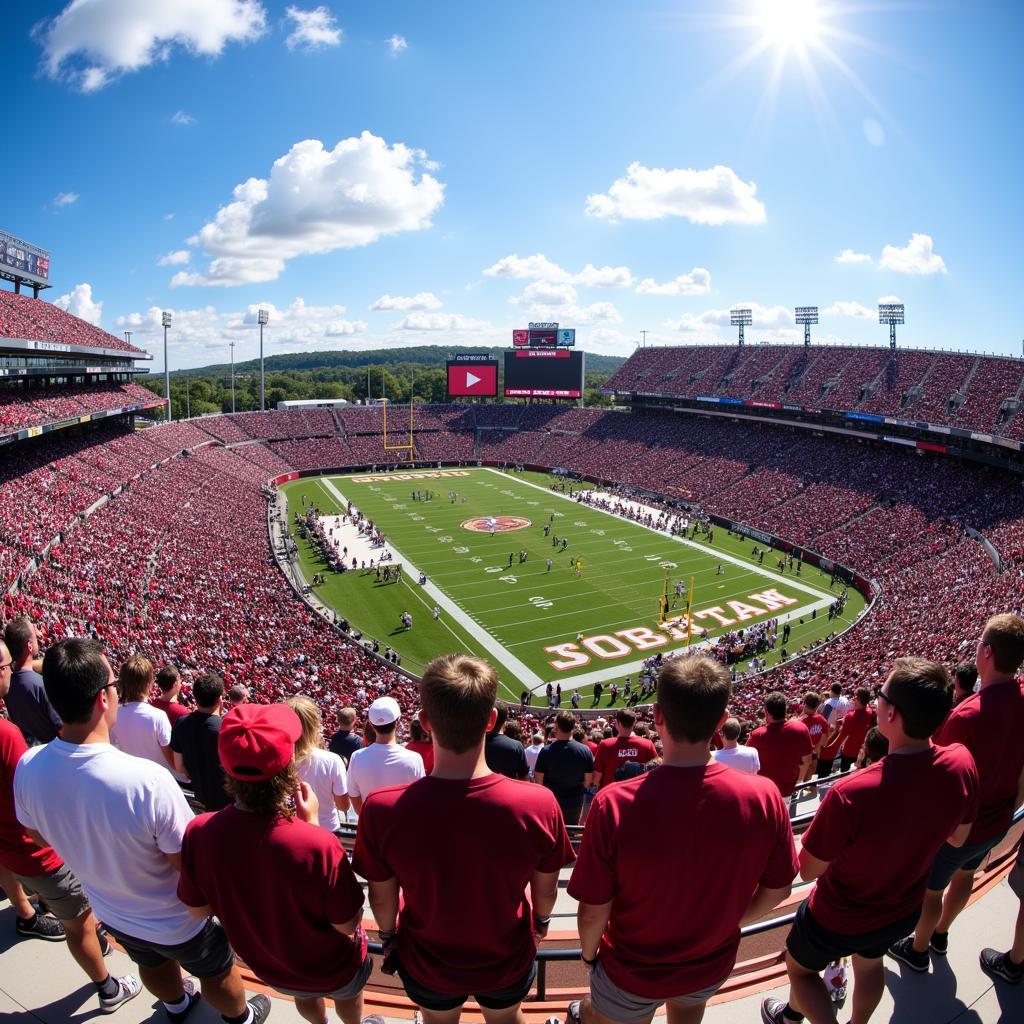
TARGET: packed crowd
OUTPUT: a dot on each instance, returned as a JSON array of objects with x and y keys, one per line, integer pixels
[
  {"x": 949, "y": 388},
  {"x": 29, "y": 407},
  {"x": 35, "y": 320},
  {"x": 121, "y": 855}
]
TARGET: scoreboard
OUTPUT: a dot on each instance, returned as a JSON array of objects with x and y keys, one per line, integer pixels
[
  {"x": 472, "y": 376},
  {"x": 543, "y": 373}
]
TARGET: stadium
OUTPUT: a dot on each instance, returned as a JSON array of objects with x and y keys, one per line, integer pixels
[{"x": 514, "y": 518}]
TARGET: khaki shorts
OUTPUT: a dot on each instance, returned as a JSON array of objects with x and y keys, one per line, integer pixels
[
  {"x": 617, "y": 1004},
  {"x": 61, "y": 890}
]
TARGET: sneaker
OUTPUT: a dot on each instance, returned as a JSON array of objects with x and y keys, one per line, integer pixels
[
  {"x": 572, "y": 1014},
  {"x": 906, "y": 954},
  {"x": 939, "y": 943},
  {"x": 999, "y": 964},
  {"x": 42, "y": 926},
  {"x": 375, "y": 1018},
  {"x": 771, "y": 1011},
  {"x": 260, "y": 1006},
  {"x": 128, "y": 987},
  {"x": 192, "y": 991}
]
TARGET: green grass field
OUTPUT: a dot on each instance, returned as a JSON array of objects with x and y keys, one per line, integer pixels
[{"x": 539, "y": 625}]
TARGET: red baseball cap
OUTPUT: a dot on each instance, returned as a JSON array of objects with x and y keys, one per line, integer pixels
[{"x": 257, "y": 741}]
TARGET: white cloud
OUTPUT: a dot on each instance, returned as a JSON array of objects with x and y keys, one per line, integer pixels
[
  {"x": 168, "y": 216},
  {"x": 441, "y": 322},
  {"x": 80, "y": 302},
  {"x": 843, "y": 307},
  {"x": 93, "y": 41},
  {"x": 315, "y": 201},
  {"x": 539, "y": 268},
  {"x": 396, "y": 44},
  {"x": 407, "y": 303},
  {"x": 696, "y": 282},
  {"x": 180, "y": 117},
  {"x": 884, "y": 300},
  {"x": 849, "y": 256},
  {"x": 595, "y": 313},
  {"x": 773, "y": 322},
  {"x": 713, "y": 196},
  {"x": 916, "y": 257},
  {"x": 343, "y": 328},
  {"x": 546, "y": 293},
  {"x": 175, "y": 259},
  {"x": 65, "y": 199},
  {"x": 524, "y": 268},
  {"x": 313, "y": 29}
]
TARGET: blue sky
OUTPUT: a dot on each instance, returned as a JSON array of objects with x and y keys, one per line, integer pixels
[{"x": 403, "y": 173}]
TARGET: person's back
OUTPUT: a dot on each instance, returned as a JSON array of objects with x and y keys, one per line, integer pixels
[
  {"x": 741, "y": 757},
  {"x": 566, "y": 767},
  {"x": 784, "y": 747},
  {"x": 614, "y": 752},
  {"x": 26, "y": 700},
  {"x": 194, "y": 742},
  {"x": 345, "y": 742},
  {"x": 505, "y": 755},
  {"x": 142, "y": 731},
  {"x": 384, "y": 762}
]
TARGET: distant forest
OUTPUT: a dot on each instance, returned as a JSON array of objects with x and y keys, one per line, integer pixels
[{"x": 349, "y": 375}]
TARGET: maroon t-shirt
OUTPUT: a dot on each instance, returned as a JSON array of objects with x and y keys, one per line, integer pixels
[
  {"x": 18, "y": 853},
  {"x": 425, "y": 748},
  {"x": 877, "y": 871},
  {"x": 615, "y": 752},
  {"x": 853, "y": 730},
  {"x": 171, "y": 708},
  {"x": 466, "y": 924},
  {"x": 674, "y": 926},
  {"x": 990, "y": 724},
  {"x": 278, "y": 887},
  {"x": 781, "y": 746},
  {"x": 817, "y": 726}
]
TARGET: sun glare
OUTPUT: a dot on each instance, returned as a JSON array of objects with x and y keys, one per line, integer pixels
[{"x": 789, "y": 24}]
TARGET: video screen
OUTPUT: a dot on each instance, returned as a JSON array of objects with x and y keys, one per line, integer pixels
[{"x": 544, "y": 373}]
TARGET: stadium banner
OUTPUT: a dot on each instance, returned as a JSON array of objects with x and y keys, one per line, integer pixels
[
  {"x": 927, "y": 446},
  {"x": 756, "y": 404},
  {"x": 899, "y": 440},
  {"x": 987, "y": 438},
  {"x": 705, "y": 398},
  {"x": 869, "y": 417},
  {"x": 472, "y": 380},
  {"x": 471, "y": 357},
  {"x": 793, "y": 408}
]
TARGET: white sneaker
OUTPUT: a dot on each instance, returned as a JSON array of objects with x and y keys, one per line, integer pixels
[{"x": 128, "y": 988}]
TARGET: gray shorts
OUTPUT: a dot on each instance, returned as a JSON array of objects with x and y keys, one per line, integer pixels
[
  {"x": 616, "y": 1004},
  {"x": 61, "y": 890},
  {"x": 341, "y": 995}
]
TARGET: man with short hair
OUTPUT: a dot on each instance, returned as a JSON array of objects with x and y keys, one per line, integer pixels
[
  {"x": 965, "y": 678},
  {"x": 614, "y": 752},
  {"x": 835, "y": 708},
  {"x": 309, "y": 946},
  {"x": 385, "y": 762},
  {"x": 533, "y": 752},
  {"x": 345, "y": 742},
  {"x": 194, "y": 743},
  {"x": 870, "y": 877},
  {"x": 505, "y": 755},
  {"x": 168, "y": 679},
  {"x": 990, "y": 725},
  {"x": 26, "y": 700},
  {"x": 118, "y": 826},
  {"x": 141, "y": 729},
  {"x": 735, "y": 754},
  {"x": 817, "y": 726},
  {"x": 784, "y": 747},
  {"x": 238, "y": 694},
  {"x": 468, "y": 929},
  {"x": 566, "y": 768},
  {"x": 666, "y": 929},
  {"x": 849, "y": 734}
]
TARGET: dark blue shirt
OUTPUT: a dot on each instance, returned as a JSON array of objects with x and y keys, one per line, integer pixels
[{"x": 30, "y": 709}]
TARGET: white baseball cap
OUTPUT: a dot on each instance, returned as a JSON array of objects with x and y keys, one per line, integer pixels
[{"x": 384, "y": 711}]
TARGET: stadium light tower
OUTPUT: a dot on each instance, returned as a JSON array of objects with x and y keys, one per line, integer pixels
[
  {"x": 807, "y": 315},
  {"x": 741, "y": 318},
  {"x": 891, "y": 313},
  {"x": 232, "y": 377},
  {"x": 166, "y": 320},
  {"x": 264, "y": 318},
  {"x": 128, "y": 337}
]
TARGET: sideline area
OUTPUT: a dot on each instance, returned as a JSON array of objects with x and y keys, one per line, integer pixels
[{"x": 40, "y": 983}]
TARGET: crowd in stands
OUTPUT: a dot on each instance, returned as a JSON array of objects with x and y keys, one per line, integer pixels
[
  {"x": 35, "y": 320},
  {"x": 22, "y": 407},
  {"x": 948, "y": 388}
]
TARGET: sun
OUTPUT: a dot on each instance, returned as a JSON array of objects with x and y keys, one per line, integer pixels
[{"x": 789, "y": 24}]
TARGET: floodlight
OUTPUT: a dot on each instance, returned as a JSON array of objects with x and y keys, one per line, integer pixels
[
  {"x": 166, "y": 321},
  {"x": 806, "y": 315},
  {"x": 262, "y": 318},
  {"x": 891, "y": 313},
  {"x": 741, "y": 318}
]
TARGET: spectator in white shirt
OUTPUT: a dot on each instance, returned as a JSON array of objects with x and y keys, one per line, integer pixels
[
  {"x": 385, "y": 762},
  {"x": 734, "y": 753},
  {"x": 533, "y": 751},
  {"x": 835, "y": 708},
  {"x": 141, "y": 729},
  {"x": 322, "y": 771}
]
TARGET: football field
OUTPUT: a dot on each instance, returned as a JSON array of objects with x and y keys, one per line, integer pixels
[{"x": 567, "y": 623}]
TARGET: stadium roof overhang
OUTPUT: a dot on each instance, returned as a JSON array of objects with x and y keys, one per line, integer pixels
[{"x": 31, "y": 345}]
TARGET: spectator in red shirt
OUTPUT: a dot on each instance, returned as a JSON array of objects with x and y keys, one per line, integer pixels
[
  {"x": 168, "y": 679},
  {"x": 990, "y": 724},
  {"x": 817, "y": 726},
  {"x": 965, "y": 678},
  {"x": 871, "y": 877},
  {"x": 648, "y": 932},
  {"x": 468, "y": 929},
  {"x": 615, "y": 752},
  {"x": 309, "y": 946},
  {"x": 421, "y": 743},
  {"x": 784, "y": 747},
  {"x": 849, "y": 734}
]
